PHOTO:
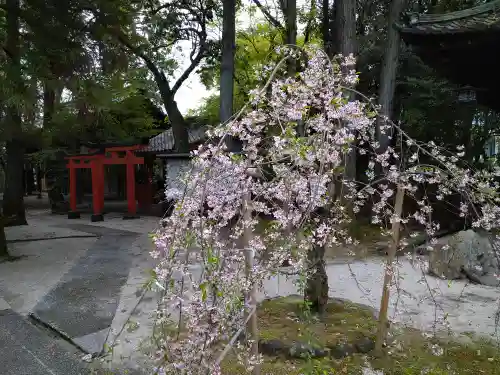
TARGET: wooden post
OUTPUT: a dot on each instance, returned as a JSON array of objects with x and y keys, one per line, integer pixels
[
  {"x": 253, "y": 327},
  {"x": 132, "y": 208},
  {"x": 388, "y": 271}
]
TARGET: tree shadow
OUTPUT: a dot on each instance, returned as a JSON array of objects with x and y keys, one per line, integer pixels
[{"x": 11, "y": 258}]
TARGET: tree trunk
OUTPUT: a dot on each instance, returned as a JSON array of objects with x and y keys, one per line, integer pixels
[
  {"x": 316, "y": 292},
  {"x": 4, "y": 253},
  {"x": 175, "y": 117},
  {"x": 13, "y": 198},
  {"x": 49, "y": 102},
  {"x": 346, "y": 26},
  {"x": 291, "y": 32},
  {"x": 39, "y": 180},
  {"x": 388, "y": 74},
  {"x": 346, "y": 42},
  {"x": 329, "y": 28},
  {"x": 325, "y": 27},
  {"x": 227, "y": 66},
  {"x": 30, "y": 179}
]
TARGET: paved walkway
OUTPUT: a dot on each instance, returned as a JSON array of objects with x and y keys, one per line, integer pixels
[
  {"x": 28, "y": 350},
  {"x": 71, "y": 277},
  {"x": 83, "y": 303}
]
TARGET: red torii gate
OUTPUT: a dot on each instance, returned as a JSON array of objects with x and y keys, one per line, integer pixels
[{"x": 96, "y": 164}]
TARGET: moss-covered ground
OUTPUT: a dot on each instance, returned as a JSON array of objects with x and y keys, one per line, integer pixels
[{"x": 409, "y": 352}]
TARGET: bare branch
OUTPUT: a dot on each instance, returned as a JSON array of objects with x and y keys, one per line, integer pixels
[
  {"x": 268, "y": 15},
  {"x": 122, "y": 38},
  {"x": 194, "y": 63}
]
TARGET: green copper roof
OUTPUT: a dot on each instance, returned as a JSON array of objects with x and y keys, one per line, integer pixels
[{"x": 482, "y": 17}]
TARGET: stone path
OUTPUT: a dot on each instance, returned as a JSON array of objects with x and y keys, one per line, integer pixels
[
  {"x": 26, "y": 350},
  {"x": 79, "y": 278},
  {"x": 81, "y": 307}
]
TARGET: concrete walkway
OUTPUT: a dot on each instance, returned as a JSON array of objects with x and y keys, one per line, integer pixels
[
  {"x": 70, "y": 276},
  {"x": 28, "y": 350}
]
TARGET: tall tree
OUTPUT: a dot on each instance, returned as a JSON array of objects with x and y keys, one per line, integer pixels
[
  {"x": 328, "y": 27},
  {"x": 13, "y": 198},
  {"x": 388, "y": 74},
  {"x": 290, "y": 12},
  {"x": 346, "y": 26},
  {"x": 4, "y": 252},
  {"x": 166, "y": 23},
  {"x": 227, "y": 59},
  {"x": 346, "y": 32}
]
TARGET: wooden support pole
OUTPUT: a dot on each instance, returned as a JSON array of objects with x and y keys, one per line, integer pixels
[
  {"x": 253, "y": 327},
  {"x": 388, "y": 272}
]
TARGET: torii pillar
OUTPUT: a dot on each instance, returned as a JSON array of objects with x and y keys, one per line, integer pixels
[
  {"x": 131, "y": 160},
  {"x": 97, "y": 170}
]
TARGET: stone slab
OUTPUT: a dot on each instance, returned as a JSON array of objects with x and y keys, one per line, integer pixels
[
  {"x": 27, "y": 350},
  {"x": 3, "y": 304},
  {"x": 93, "y": 342},
  {"x": 85, "y": 300}
]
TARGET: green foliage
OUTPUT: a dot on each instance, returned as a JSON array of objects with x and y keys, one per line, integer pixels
[
  {"x": 255, "y": 50},
  {"x": 113, "y": 110}
]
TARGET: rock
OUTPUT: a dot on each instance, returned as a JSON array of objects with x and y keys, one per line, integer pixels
[
  {"x": 364, "y": 345},
  {"x": 344, "y": 301},
  {"x": 301, "y": 350},
  {"x": 342, "y": 350},
  {"x": 286, "y": 263},
  {"x": 272, "y": 347},
  {"x": 87, "y": 358},
  {"x": 466, "y": 254},
  {"x": 489, "y": 279},
  {"x": 370, "y": 371}
]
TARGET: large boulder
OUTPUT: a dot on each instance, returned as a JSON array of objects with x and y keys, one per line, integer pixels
[{"x": 466, "y": 254}]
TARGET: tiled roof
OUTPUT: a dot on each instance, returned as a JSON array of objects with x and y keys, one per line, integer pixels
[
  {"x": 479, "y": 18},
  {"x": 164, "y": 142}
]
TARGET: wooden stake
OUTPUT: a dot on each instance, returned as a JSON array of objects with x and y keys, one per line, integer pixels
[
  {"x": 252, "y": 327},
  {"x": 391, "y": 255}
]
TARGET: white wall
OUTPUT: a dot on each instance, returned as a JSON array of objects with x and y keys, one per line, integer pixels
[{"x": 175, "y": 170}]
